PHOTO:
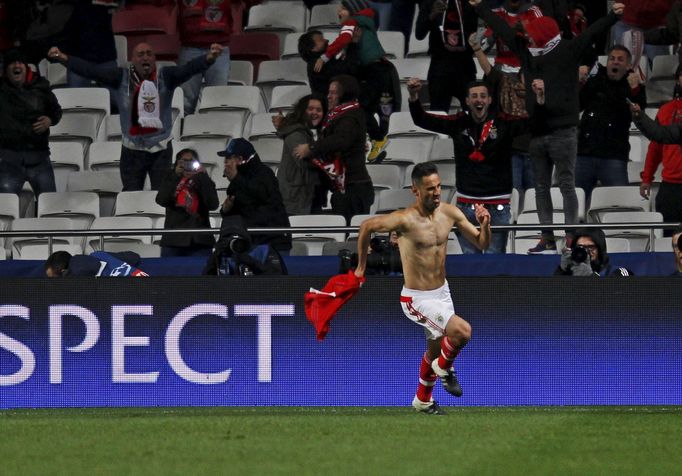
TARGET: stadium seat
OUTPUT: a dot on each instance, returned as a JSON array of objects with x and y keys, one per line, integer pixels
[
  {"x": 284, "y": 98},
  {"x": 260, "y": 125},
  {"x": 418, "y": 48},
  {"x": 81, "y": 207},
  {"x": 136, "y": 19},
  {"x": 105, "y": 183},
  {"x": 139, "y": 203},
  {"x": 41, "y": 251},
  {"x": 385, "y": 176},
  {"x": 56, "y": 74},
  {"x": 104, "y": 156},
  {"x": 332, "y": 248},
  {"x": 664, "y": 245},
  {"x": 617, "y": 245},
  {"x": 121, "y": 43},
  {"x": 90, "y": 101},
  {"x": 417, "y": 67},
  {"x": 408, "y": 150},
  {"x": 639, "y": 145},
  {"x": 453, "y": 247},
  {"x": 401, "y": 124},
  {"x": 46, "y": 223},
  {"x": 119, "y": 223},
  {"x": 9, "y": 211},
  {"x": 390, "y": 200},
  {"x": 315, "y": 241},
  {"x": 640, "y": 239},
  {"x": 290, "y": 46},
  {"x": 532, "y": 218},
  {"x": 280, "y": 73},
  {"x": 442, "y": 150},
  {"x": 277, "y": 17},
  {"x": 299, "y": 248},
  {"x": 66, "y": 157},
  {"x": 663, "y": 67},
  {"x": 205, "y": 126},
  {"x": 241, "y": 73},
  {"x": 393, "y": 43},
  {"x": 269, "y": 151},
  {"x": 324, "y": 18},
  {"x": 356, "y": 220},
  {"x": 221, "y": 184},
  {"x": 81, "y": 128},
  {"x": 529, "y": 204},
  {"x": 255, "y": 47},
  {"x": 112, "y": 128},
  {"x": 606, "y": 200},
  {"x": 231, "y": 98}
]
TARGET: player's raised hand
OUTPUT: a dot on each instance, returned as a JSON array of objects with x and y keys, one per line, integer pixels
[
  {"x": 55, "y": 54},
  {"x": 213, "y": 53}
]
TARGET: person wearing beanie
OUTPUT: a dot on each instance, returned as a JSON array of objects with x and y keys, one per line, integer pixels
[
  {"x": 253, "y": 194},
  {"x": 588, "y": 257},
  {"x": 669, "y": 156},
  {"x": 27, "y": 110},
  {"x": 545, "y": 55},
  {"x": 144, "y": 95},
  {"x": 380, "y": 93}
]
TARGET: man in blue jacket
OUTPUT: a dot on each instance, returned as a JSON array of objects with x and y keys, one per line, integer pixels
[{"x": 144, "y": 95}]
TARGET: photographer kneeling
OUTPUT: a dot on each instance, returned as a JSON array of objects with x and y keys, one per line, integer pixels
[
  {"x": 588, "y": 257},
  {"x": 383, "y": 257}
]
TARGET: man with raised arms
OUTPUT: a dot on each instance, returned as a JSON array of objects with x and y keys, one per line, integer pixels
[{"x": 423, "y": 230}]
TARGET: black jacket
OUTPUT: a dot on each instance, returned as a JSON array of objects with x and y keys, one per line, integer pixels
[
  {"x": 605, "y": 123},
  {"x": 19, "y": 109},
  {"x": 259, "y": 202},
  {"x": 493, "y": 175},
  {"x": 178, "y": 218},
  {"x": 346, "y": 136},
  {"x": 425, "y": 26},
  {"x": 558, "y": 68}
]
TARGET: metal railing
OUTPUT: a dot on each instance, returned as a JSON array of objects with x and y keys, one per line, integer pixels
[{"x": 50, "y": 235}]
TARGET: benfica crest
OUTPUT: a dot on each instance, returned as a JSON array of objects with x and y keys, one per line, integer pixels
[{"x": 149, "y": 103}]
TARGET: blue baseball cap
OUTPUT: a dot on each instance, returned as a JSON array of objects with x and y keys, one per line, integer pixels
[{"x": 241, "y": 147}]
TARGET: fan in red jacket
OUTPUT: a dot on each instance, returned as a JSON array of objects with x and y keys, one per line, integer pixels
[{"x": 669, "y": 195}]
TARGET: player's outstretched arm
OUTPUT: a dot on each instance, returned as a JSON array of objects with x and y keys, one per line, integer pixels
[
  {"x": 379, "y": 224},
  {"x": 479, "y": 237}
]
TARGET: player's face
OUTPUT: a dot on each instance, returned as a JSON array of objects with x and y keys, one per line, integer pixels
[
  {"x": 428, "y": 192},
  {"x": 589, "y": 245},
  {"x": 677, "y": 251},
  {"x": 314, "y": 112},
  {"x": 617, "y": 65},
  {"x": 478, "y": 101}
]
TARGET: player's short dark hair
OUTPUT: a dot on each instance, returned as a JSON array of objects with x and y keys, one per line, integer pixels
[
  {"x": 421, "y": 170},
  {"x": 622, "y": 48},
  {"x": 349, "y": 88},
  {"x": 58, "y": 261},
  {"x": 477, "y": 84},
  {"x": 306, "y": 44}
]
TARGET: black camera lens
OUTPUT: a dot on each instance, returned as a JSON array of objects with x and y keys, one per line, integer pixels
[{"x": 579, "y": 254}]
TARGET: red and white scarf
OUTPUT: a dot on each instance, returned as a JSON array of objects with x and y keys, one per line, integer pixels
[
  {"x": 333, "y": 166},
  {"x": 477, "y": 155},
  {"x": 452, "y": 28},
  {"x": 186, "y": 196},
  {"x": 145, "y": 108}
]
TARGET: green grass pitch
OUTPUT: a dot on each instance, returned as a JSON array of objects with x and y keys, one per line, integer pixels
[{"x": 343, "y": 441}]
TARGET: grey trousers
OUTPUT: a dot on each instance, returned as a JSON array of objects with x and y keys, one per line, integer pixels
[{"x": 557, "y": 149}]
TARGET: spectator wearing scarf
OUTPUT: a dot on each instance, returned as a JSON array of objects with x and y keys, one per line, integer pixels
[
  {"x": 188, "y": 194},
  {"x": 341, "y": 149},
  {"x": 144, "y": 95}
]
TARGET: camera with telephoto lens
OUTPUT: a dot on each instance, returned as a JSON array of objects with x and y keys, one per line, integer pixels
[
  {"x": 579, "y": 254},
  {"x": 383, "y": 259}
]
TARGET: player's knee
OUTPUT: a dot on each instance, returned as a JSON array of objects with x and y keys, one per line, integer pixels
[{"x": 459, "y": 330}]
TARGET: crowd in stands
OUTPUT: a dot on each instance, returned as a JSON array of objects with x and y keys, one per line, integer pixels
[{"x": 302, "y": 109}]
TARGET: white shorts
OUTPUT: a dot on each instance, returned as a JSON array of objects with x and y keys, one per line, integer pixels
[{"x": 430, "y": 309}]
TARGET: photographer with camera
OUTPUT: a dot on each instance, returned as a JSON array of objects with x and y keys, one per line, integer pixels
[
  {"x": 188, "y": 194},
  {"x": 383, "y": 257},
  {"x": 588, "y": 257}
]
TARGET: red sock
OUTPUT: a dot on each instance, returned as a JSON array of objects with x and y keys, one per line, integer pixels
[
  {"x": 448, "y": 352},
  {"x": 427, "y": 379}
]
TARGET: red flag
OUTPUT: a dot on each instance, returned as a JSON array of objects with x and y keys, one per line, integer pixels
[{"x": 321, "y": 306}]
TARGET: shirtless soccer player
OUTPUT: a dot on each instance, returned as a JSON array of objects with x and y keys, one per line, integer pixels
[{"x": 423, "y": 235}]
